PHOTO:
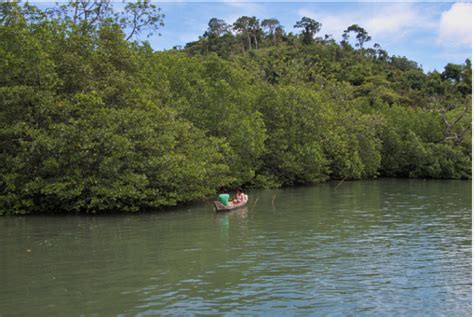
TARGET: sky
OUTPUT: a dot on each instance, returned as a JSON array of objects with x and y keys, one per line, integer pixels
[{"x": 430, "y": 33}]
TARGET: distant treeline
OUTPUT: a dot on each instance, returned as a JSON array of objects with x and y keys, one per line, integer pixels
[{"x": 93, "y": 121}]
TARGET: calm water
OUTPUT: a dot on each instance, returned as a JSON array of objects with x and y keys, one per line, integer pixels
[{"x": 386, "y": 247}]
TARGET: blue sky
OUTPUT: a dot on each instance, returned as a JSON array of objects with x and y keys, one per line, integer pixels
[{"x": 430, "y": 33}]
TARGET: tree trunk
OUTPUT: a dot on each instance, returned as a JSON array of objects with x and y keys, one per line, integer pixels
[{"x": 75, "y": 13}]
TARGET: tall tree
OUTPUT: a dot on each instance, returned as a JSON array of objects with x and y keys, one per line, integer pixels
[
  {"x": 254, "y": 30},
  {"x": 217, "y": 27},
  {"x": 361, "y": 35},
  {"x": 249, "y": 27},
  {"x": 141, "y": 15},
  {"x": 271, "y": 25},
  {"x": 91, "y": 14},
  {"x": 242, "y": 25},
  {"x": 310, "y": 28},
  {"x": 88, "y": 14}
]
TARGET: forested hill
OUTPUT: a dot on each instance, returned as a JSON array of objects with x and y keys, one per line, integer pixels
[{"x": 92, "y": 120}]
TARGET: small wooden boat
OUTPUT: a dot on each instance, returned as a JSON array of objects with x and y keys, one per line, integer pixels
[{"x": 220, "y": 207}]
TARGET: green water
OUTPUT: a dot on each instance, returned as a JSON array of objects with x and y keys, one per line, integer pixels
[{"x": 385, "y": 247}]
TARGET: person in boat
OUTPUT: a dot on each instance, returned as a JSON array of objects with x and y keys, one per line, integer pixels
[
  {"x": 223, "y": 198},
  {"x": 238, "y": 196}
]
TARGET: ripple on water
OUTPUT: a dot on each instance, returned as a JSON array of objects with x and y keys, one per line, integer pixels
[{"x": 386, "y": 247}]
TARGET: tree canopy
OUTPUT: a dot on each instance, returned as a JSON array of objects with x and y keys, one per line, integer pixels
[
  {"x": 310, "y": 28},
  {"x": 361, "y": 35},
  {"x": 92, "y": 121}
]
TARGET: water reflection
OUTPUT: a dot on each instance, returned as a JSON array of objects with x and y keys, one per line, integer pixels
[
  {"x": 224, "y": 216},
  {"x": 388, "y": 247}
]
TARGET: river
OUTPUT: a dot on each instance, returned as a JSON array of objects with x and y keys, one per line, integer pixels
[{"x": 381, "y": 247}]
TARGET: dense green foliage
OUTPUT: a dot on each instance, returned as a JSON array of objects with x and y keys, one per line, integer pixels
[{"x": 92, "y": 122}]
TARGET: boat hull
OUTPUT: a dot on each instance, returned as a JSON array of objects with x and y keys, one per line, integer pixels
[{"x": 220, "y": 207}]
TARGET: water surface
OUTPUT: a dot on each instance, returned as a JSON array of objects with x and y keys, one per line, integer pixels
[{"x": 384, "y": 247}]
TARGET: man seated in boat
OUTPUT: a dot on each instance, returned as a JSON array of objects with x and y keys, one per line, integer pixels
[{"x": 238, "y": 196}]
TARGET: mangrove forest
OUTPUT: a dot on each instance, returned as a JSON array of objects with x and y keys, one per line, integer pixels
[{"x": 94, "y": 120}]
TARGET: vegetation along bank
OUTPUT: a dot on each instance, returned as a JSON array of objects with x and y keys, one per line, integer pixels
[{"x": 93, "y": 120}]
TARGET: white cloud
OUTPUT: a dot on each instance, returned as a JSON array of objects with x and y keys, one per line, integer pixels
[
  {"x": 382, "y": 21},
  {"x": 455, "y": 27},
  {"x": 399, "y": 19}
]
